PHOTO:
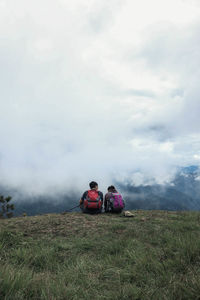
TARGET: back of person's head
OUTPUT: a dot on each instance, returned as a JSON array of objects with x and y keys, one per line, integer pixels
[
  {"x": 112, "y": 189},
  {"x": 93, "y": 185}
]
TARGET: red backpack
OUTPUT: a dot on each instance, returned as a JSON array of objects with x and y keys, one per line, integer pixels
[{"x": 93, "y": 200}]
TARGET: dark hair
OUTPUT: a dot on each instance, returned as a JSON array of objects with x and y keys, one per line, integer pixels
[
  {"x": 111, "y": 188},
  {"x": 93, "y": 184}
]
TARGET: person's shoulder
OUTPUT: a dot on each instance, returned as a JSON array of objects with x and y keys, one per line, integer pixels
[
  {"x": 107, "y": 194},
  {"x": 100, "y": 193}
]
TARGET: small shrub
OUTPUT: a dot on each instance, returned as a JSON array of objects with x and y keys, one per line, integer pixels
[{"x": 6, "y": 207}]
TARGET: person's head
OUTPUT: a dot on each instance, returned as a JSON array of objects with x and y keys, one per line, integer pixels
[
  {"x": 93, "y": 185},
  {"x": 112, "y": 189}
]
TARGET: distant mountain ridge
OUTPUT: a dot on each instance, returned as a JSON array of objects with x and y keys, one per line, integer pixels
[{"x": 183, "y": 193}]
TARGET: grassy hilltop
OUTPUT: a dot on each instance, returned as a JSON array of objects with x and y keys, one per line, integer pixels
[{"x": 155, "y": 255}]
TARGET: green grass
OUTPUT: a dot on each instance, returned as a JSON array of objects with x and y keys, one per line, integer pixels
[{"x": 155, "y": 255}]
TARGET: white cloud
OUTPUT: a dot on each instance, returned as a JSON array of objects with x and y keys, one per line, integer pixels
[{"x": 97, "y": 90}]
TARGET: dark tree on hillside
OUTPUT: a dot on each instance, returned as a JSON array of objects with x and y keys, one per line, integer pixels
[{"x": 6, "y": 208}]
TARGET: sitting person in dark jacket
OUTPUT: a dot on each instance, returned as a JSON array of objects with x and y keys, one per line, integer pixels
[
  {"x": 92, "y": 200},
  {"x": 113, "y": 201}
]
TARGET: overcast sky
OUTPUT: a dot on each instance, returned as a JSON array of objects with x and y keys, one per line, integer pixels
[{"x": 98, "y": 90}]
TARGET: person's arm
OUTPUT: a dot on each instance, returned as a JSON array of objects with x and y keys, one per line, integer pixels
[
  {"x": 107, "y": 198},
  {"x": 83, "y": 197},
  {"x": 101, "y": 196},
  {"x": 105, "y": 203}
]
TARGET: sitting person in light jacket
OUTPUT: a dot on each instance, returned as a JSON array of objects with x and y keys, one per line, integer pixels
[{"x": 113, "y": 201}]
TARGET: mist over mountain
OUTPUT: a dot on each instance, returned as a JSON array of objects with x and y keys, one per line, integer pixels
[
  {"x": 33, "y": 204},
  {"x": 182, "y": 193},
  {"x": 105, "y": 89}
]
